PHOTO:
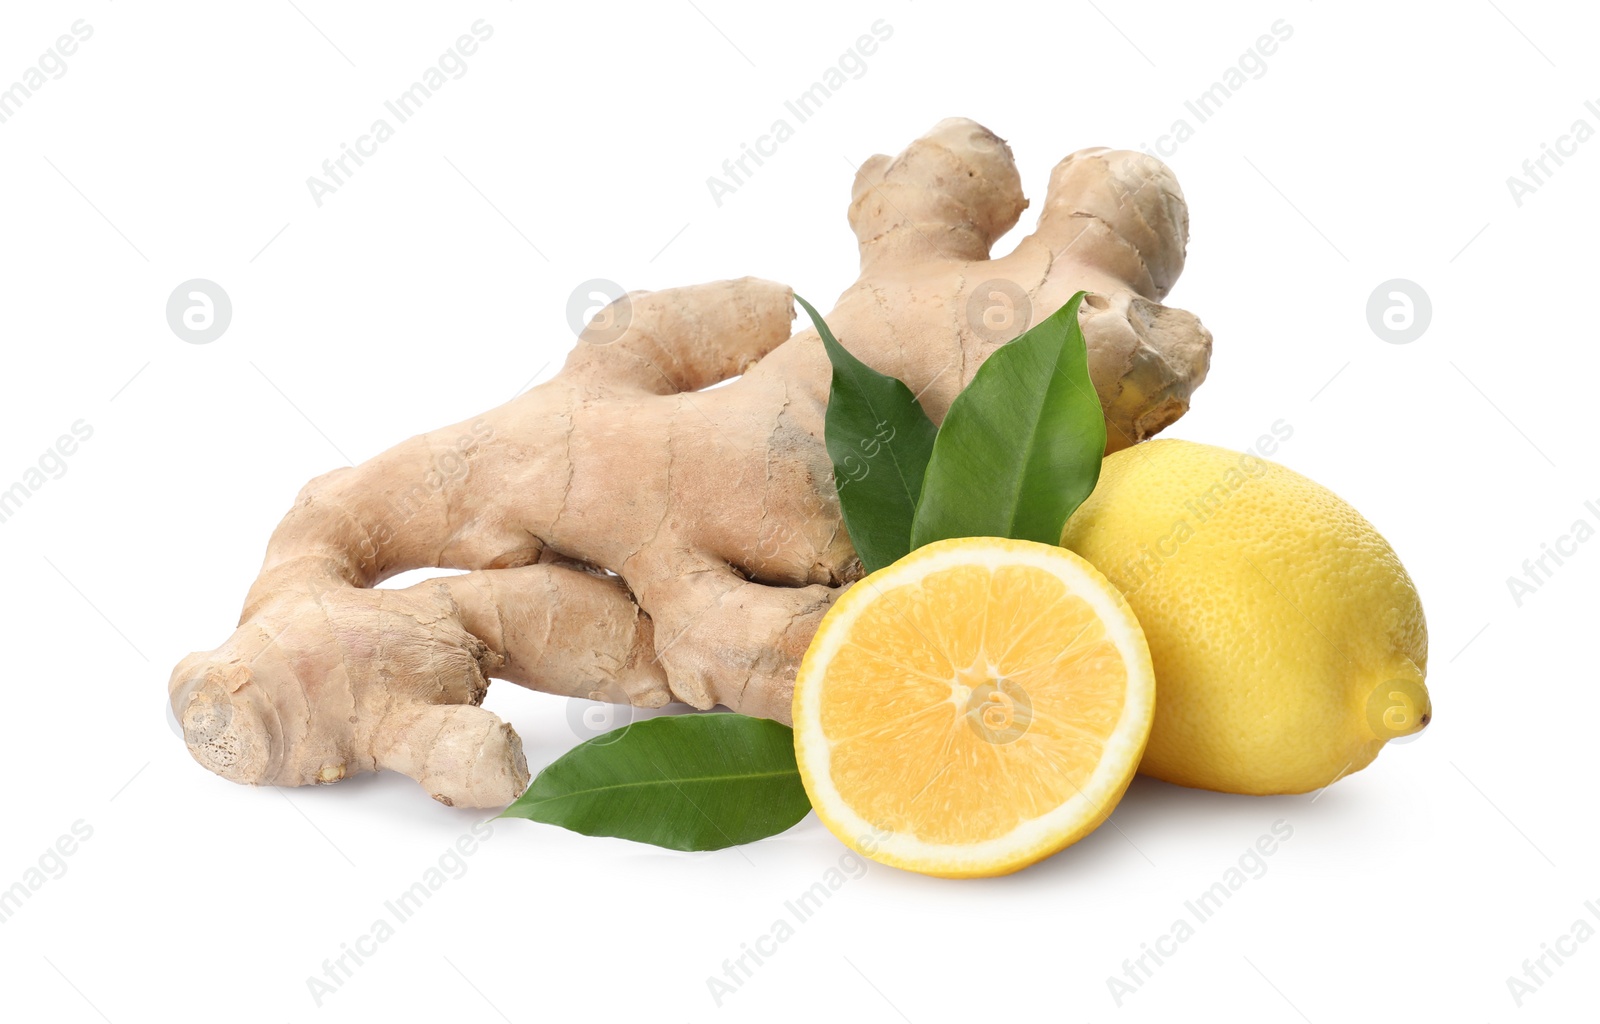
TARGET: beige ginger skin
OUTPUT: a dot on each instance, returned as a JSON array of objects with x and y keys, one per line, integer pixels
[{"x": 633, "y": 538}]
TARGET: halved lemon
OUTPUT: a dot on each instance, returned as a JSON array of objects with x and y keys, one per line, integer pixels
[{"x": 973, "y": 708}]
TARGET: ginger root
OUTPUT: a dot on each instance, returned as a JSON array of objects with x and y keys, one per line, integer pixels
[{"x": 632, "y": 538}]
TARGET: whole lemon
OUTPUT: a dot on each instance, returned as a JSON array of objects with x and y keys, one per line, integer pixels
[{"x": 1288, "y": 641}]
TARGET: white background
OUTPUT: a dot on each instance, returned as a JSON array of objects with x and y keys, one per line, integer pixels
[{"x": 434, "y": 284}]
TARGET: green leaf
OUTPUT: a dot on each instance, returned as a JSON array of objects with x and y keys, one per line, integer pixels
[
  {"x": 1021, "y": 446},
  {"x": 685, "y": 782},
  {"x": 879, "y": 439}
]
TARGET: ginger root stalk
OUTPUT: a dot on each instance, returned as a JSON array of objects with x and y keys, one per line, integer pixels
[{"x": 632, "y": 539}]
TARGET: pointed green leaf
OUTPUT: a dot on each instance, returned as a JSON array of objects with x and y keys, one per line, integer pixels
[
  {"x": 685, "y": 782},
  {"x": 1021, "y": 446},
  {"x": 879, "y": 439}
]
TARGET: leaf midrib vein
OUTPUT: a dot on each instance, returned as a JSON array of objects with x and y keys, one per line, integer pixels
[{"x": 569, "y": 794}]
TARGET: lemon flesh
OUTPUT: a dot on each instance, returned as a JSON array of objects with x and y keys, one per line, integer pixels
[{"x": 972, "y": 708}]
